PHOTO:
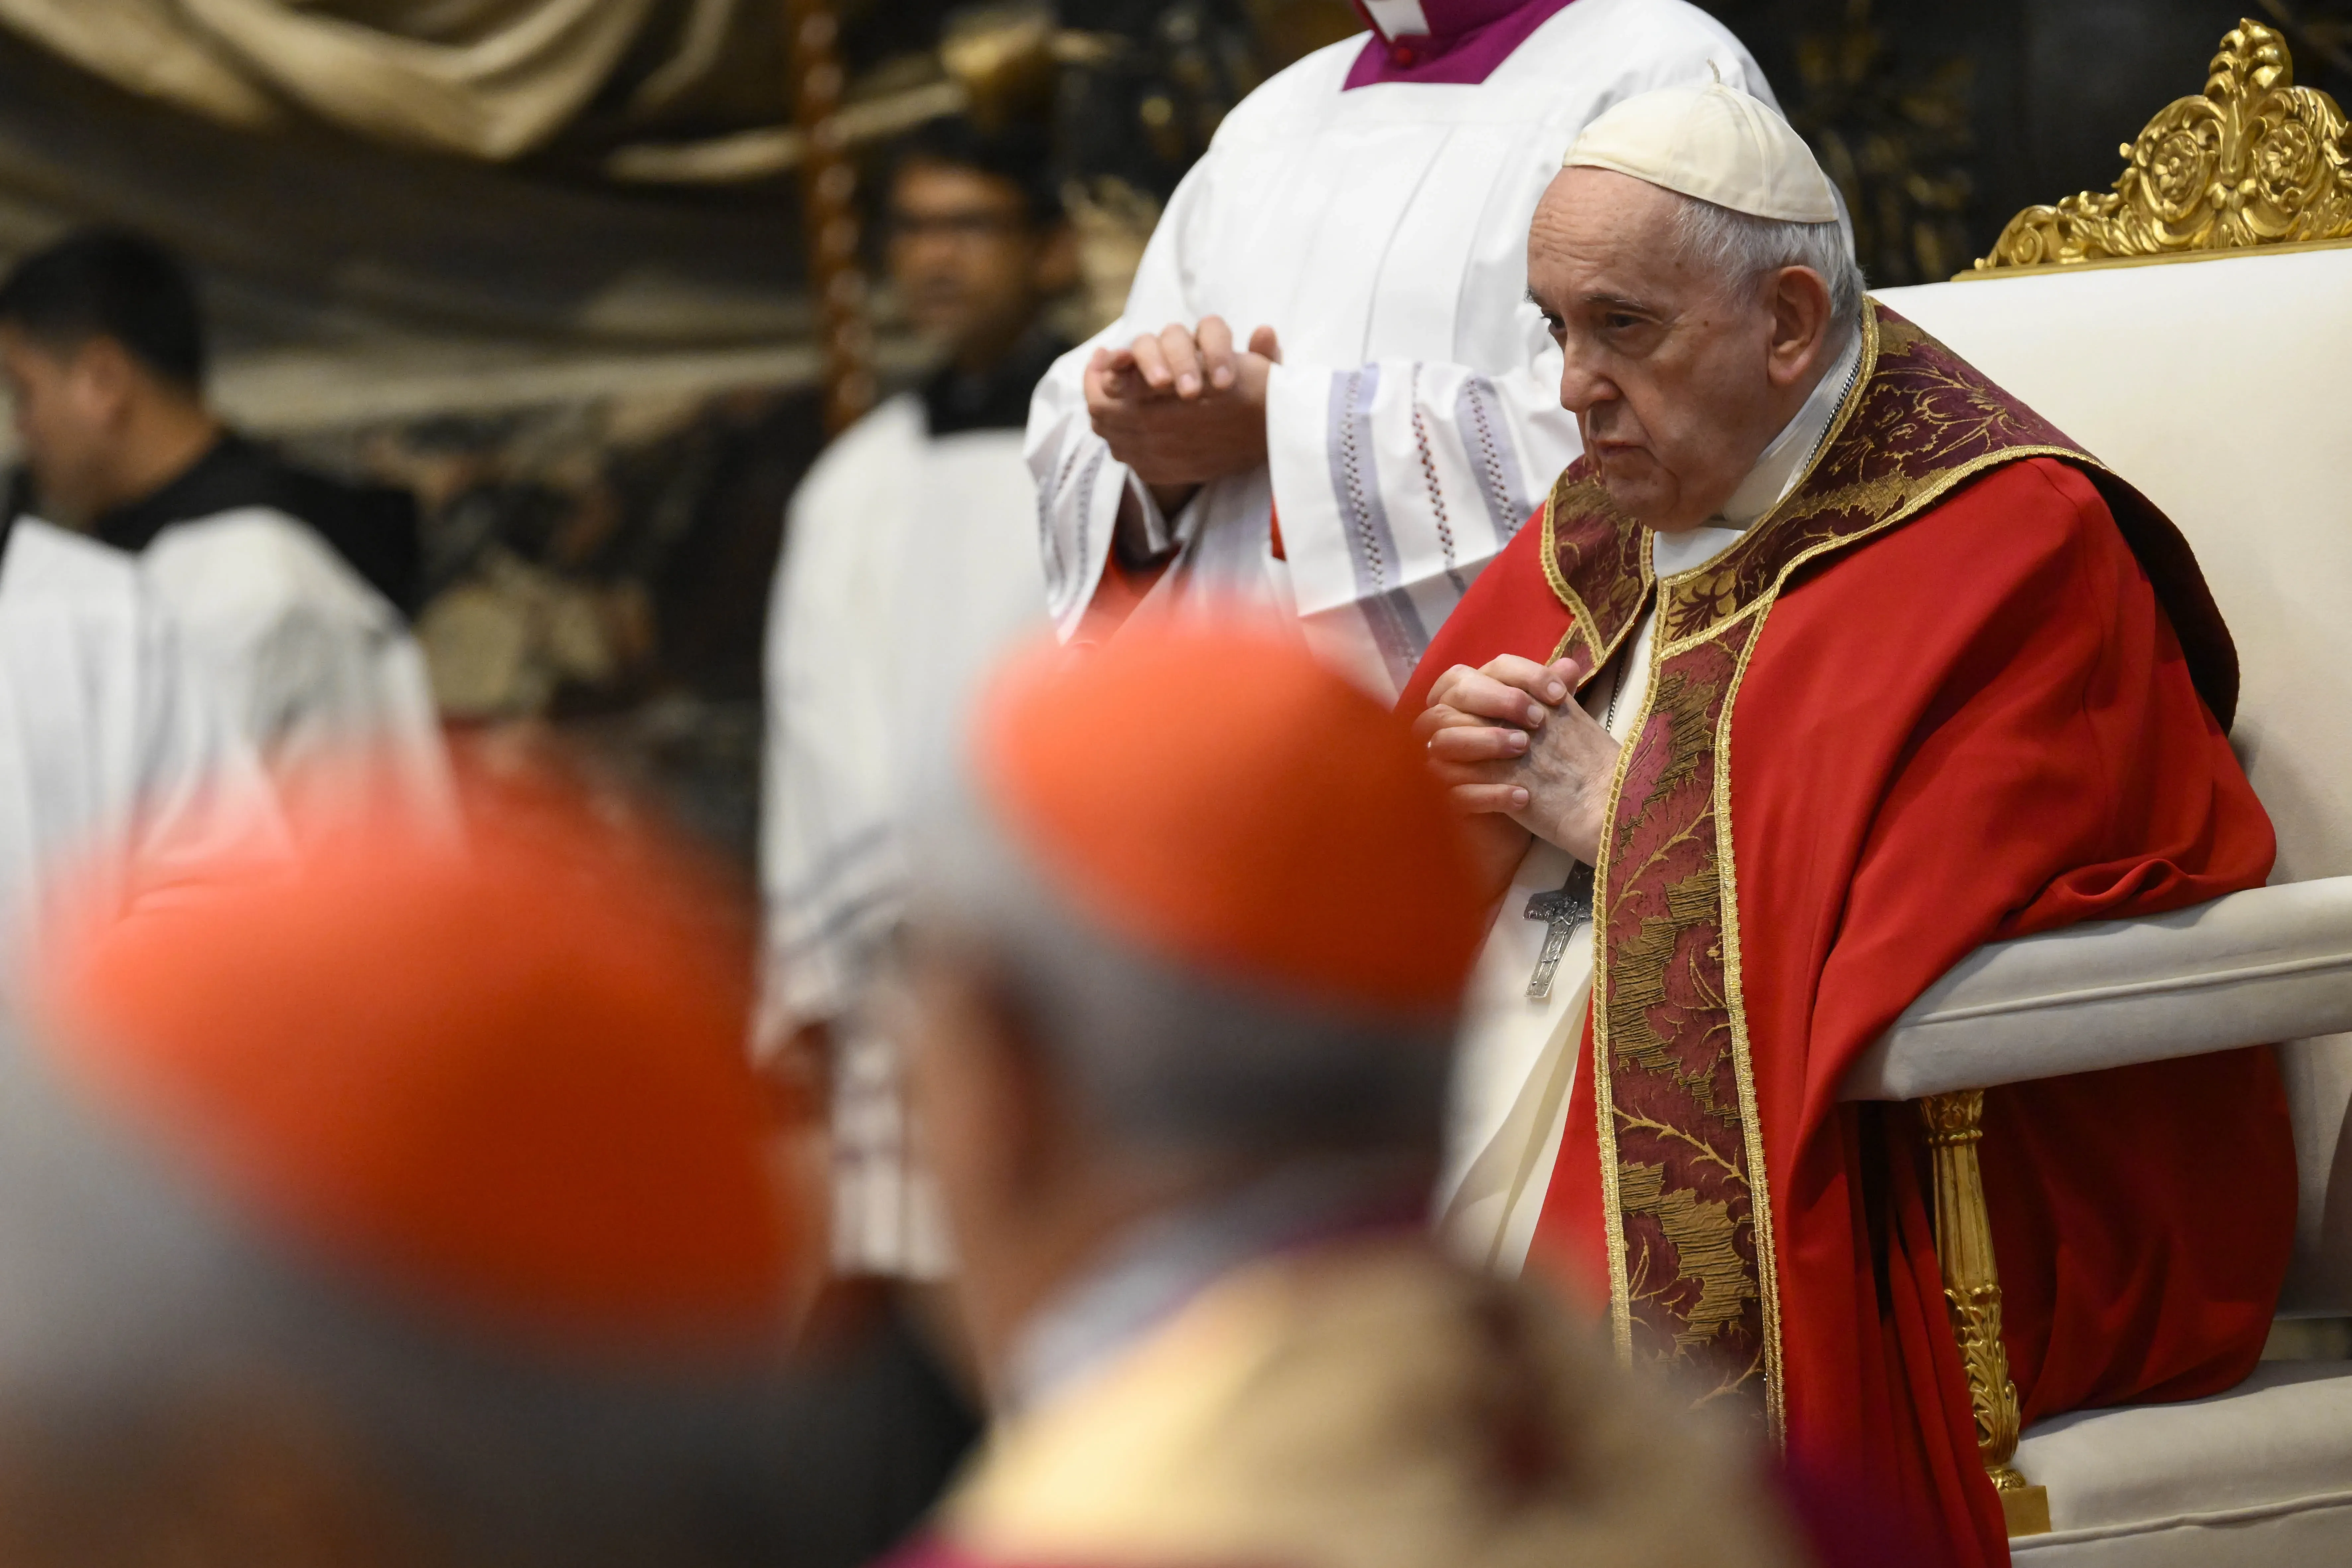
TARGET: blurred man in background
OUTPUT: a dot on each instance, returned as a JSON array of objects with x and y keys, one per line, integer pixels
[
  {"x": 417, "y": 1209},
  {"x": 910, "y": 560},
  {"x": 286, "y": 586},
  {"x": 1185, "y": 969}
]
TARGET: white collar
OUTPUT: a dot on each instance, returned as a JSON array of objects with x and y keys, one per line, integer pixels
[
  {"x": 1147, "y": 1276},
  {"x": 1776, "y": 473},
  {"x": 1783, "y": 462},
  {"x": 1397, "y": 19}
]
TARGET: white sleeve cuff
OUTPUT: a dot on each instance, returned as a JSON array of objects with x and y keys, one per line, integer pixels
[{"x": 1158, "y": 535}]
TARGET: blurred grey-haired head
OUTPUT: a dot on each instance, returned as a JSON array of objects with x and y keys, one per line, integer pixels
[
  {"x": 1255, "y": 792},
  {"x": 1159, "y": 1054}
]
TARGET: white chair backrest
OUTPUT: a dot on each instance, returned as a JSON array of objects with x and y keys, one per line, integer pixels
[{"x": 2223, "y": 390}]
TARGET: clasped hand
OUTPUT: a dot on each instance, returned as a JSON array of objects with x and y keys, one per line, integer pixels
[
  {"x": 1185, "y": 405},
  {"x": 1519, "y": 755}
]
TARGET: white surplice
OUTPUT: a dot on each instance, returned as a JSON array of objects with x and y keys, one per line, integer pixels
[
  {"x": 312, "y": 664},
  {"x": 1415, "y": 420},
  {"x": 910, "y": 568},
  {"x": 119, "y": 777},
  {"x": 1518, "y": 1056}
]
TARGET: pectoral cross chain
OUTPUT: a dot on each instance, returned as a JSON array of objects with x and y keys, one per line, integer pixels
[
  {"x": 1569, "y": 905},
  {"x": 1566, "y": 907}
]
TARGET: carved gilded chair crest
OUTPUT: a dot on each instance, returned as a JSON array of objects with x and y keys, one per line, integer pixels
[{"x": 2253, "y": 161}]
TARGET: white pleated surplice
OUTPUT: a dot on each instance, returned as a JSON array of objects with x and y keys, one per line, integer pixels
[
  {"x": 313, "y": 666},
  {"x": 1415, "y": 423},
  {"x": 120, "y": 777},
  {"x": 910, "y": 568}
]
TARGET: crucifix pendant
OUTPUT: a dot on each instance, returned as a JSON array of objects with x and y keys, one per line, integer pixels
[{"x": 1566, "y": 907}]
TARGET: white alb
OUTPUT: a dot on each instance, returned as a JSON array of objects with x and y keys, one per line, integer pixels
[{"x": 909, "y": 567}]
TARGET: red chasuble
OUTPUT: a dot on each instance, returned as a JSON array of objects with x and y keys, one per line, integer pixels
[{"x": 1961, "y": 685}]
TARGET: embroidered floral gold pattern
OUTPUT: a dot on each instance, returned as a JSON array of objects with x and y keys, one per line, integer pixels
[
  {"x": 1601, "y": 548},
  {"x": 1684, "y": 1217},
  {"x": 1688, "y": 1204}
]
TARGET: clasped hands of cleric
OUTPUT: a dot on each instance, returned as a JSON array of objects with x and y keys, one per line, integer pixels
[{"x": 1184, "y": 405}]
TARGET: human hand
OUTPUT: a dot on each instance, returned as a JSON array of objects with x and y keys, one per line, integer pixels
[
  {"x": 1509, "y": 741},
  {"x": 1472, "y": 724},
  {"x": 1183, "y": 407}
]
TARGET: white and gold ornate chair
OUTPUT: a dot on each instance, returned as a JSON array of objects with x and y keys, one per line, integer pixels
[{"x": 2193, "y": 328}]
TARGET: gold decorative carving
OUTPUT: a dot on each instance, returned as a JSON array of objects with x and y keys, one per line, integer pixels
[
  {"x": 2253, "y": 161},
  {"x": 1972, "y": 1296}
]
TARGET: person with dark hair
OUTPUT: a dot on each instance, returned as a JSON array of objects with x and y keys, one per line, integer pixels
[
  {"x": 910, "y": 558},
  {"x": 286, "y": 586}
]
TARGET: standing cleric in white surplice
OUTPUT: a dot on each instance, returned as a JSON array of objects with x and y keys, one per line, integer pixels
[
  {"x": 909, "y": 567},
  {"x": 281, "y": 584},
  {"x": 1370, "y": 206}
]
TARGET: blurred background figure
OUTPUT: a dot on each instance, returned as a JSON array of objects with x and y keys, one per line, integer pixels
[
  {"x": 1182, "y": 979},
  {"x": 283, "y": 584},
  {"x": 106, "y": 353},
  {"x": 418, "y": 1209},
  {"x": 910, "y": 563}
]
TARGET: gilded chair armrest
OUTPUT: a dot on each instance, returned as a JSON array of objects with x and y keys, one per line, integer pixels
[{"x": 2268, "y": 964}]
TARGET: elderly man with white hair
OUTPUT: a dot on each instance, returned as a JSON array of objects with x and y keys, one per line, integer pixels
[
  {"x": 1185, "y": 1126},
  {"x": 1870, "y": 666}
]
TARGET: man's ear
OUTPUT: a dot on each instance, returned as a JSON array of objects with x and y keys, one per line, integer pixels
[
  {"x": 1026, "y": 1114},
  {"x": 980, "y": 1084},
  {"x": 1057, "y": 269},
  {"x": 1798, "y": 300}
]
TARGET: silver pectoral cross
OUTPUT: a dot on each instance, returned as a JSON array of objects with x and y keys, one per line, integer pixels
[{"x": 1566, "y": 907}]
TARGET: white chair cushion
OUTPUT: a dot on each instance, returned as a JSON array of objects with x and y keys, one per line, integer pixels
[
  {"x": 2271, "y": 964},
  {"x": 2262, "y": 1474}
]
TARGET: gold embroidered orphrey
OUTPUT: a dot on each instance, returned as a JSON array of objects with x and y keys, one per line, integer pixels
[
  {"x": 2253, "y": 161},
  {"x": 1685, "y": 1193}
]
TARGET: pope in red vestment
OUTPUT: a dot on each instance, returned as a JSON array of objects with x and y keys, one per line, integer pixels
[{"x": 1957, "y": 684}]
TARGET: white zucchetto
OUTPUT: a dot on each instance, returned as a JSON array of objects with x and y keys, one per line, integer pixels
[{"x": 1716, "y": 144}]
